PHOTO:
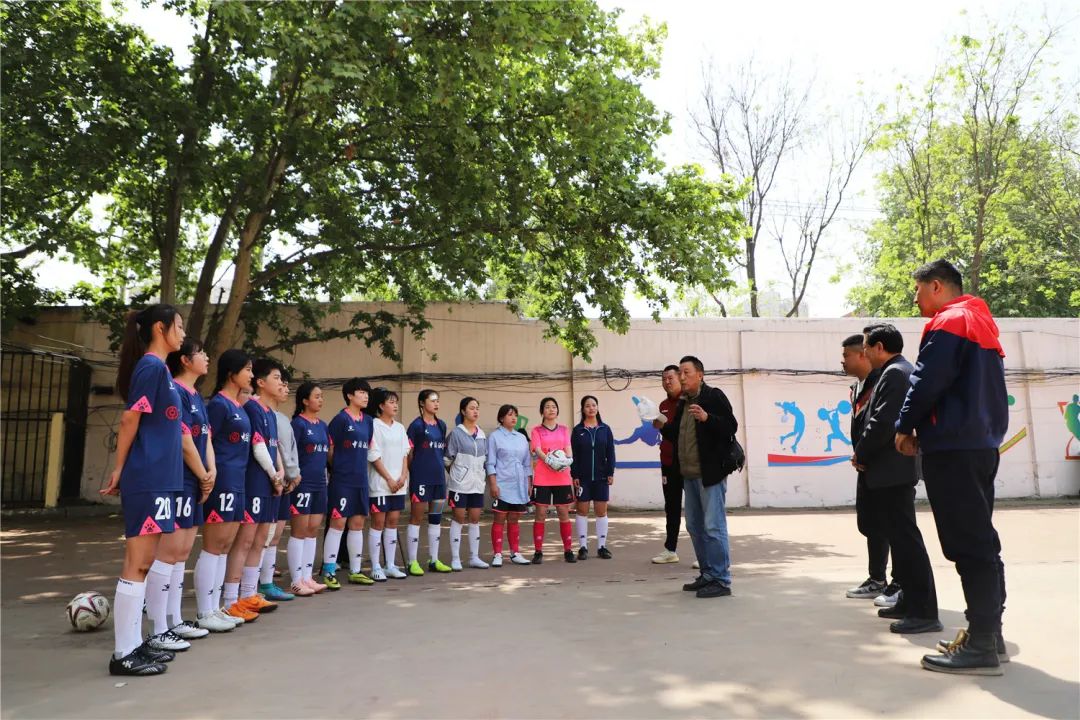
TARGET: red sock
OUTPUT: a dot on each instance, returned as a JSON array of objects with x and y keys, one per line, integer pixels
[
  {"x": 497, "y": 535},
  {"x": 513, "y": 530},
  {"x": 538, "y": 535},
  {"x": 567, "y": 534}
]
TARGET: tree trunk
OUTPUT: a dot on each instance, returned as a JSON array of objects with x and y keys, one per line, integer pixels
[
  {"x": 977, "y": 256},
  {"x": 751, "y": 275},
  {"x": 201, "y": 302}
]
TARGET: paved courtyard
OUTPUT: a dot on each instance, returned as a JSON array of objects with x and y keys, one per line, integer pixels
[{"x": 598, "y": 639}]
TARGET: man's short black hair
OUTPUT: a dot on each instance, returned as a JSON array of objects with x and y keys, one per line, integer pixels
[
  {"x": 671, "y": 367},
  {"x": 941, "y": 270},
  {"x": 352, "y": 385},
  {"x": 691, "y": 359},
  {"x": 886, "y": 334},
  {"x": 853, "y": 340}
]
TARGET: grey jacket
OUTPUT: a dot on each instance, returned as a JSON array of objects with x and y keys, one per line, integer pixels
[{"x": 885, "y": 467}]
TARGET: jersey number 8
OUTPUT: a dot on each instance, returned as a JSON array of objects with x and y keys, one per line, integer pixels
[{"x": 256, "y": 505}]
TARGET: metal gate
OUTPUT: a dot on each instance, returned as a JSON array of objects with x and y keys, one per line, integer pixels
[{"x": 35, "y": 385}]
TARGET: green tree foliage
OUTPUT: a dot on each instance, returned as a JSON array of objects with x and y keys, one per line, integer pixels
[
  {"x": 414, "y": 151},
  {"x": 980, "y": 177}
]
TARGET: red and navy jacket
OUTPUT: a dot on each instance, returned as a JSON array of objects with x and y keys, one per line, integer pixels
[{"x": 957, "y": 398}]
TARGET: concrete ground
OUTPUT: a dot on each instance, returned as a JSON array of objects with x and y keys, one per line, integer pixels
[{"x": 597, "y": 639}]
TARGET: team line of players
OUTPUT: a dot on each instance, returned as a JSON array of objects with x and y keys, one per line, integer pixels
[{"x": 239, "y": 468}]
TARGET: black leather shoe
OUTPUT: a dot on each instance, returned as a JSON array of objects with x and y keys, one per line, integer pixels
[
  {"x": 714, "y": 589},
  {"x": 894, "y": 613},
  {"x": 538, "y": 557},
  {"x": 604, "y": 553},
  {"x": 582, "y": 554},
  {"x": 569, "y": 556},
  {"x": 913, "y": 625},
  {"x": 977, "y": 656},
  {"x": 945, "y": 645},
  {"x": 698, "y": 583}
]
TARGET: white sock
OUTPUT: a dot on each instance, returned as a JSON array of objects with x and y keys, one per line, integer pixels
[
  {"x": 249, "y": 581},
  {"x": 455, "y": 540},
  {"x": 176, "y": 593},
  {"x": 270, "y": 535},
  {"x": 294, "y": 551},
  {"x": 309, "y": 556},
  {"x": 355, "y": 542},
  {"x": 127, "y": 615},
  {"x": 582, "y": 523},
  {"x": 433, "y": 534},
  {"x": 266, "y": 571},
  {"x": 230, "y": 593},
  {"x": 206, "y": 582},
  {"x": 219, "y": 580},
  {"x": 413, "y": 535},
  {"x": 389, "y": 542},
  {"x": 601, "y": 531},
  {"x": 157, "y": 595},
  {"x": 375, "y": 547},
  {"x": 474, "y": 541},
  {"x": 331, "y": 545}
]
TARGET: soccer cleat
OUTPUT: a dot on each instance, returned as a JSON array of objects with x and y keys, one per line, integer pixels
[
  {"x": 891, "y": 595},
  {"x": 870, "y": 588},
  {"x": 378, "y": 574},
  {"x": 161, "y": 656},
  {"x": 256, "y": 604},
  {"x": 359, "y": 578},
  {"x": 224, "y": 615},
  {"x": 415, "y": 569},
  {"x": 947, "y": 646},
  {"x": 212, "y": 622},
  {"x": 168, "y": 640},
  {"x": 455, "y": 565},
  {"x": 478, "y": 564},
  {"x": 273, "y": 593},
  {"x": 189, "y": 630},
  {"x": 330, "y": 581},
  {"x": 301, "y": 590},
  {"x": 135, "y": 662},
  {"x": 240, "y": 611},
  {"x": 603, "y": 553},
  {"x": 666, "y": 557},
  {"x": 538, "y": 557},
  {"x": 314, "y": 584},
  {"x": 569, "y": 556},
  {"x": 497, "y": 560},
  {"x": 519, "y": 559},
  {"x": 583, "y": 554},
  {"x": 393, "y": 572},
  {"x": 437, "y": 565}
]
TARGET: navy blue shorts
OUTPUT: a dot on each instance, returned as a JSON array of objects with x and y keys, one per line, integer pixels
[
  {"x": 467, "y": 501},
  {"x": 348, "y": 501},
  {"x": 284, "y": 505},
  {"x": 423, "y": 492},
  {"x": 223, "y": 506},
  {"x": 502, "y": 506},
  {"x": 261, "y": 509},
  {"x": 387, "y": 503},
  {"x": 148, "y": 513},
  {"x": 305, "y": 502},
  {"x": 598, "y": 491},
  {"x": 553, "y": 494},
  {"x": 188, "y": 511}
]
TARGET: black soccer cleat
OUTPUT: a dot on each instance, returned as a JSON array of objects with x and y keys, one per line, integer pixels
[
  {"x": 582, "y": 554},
  {"x": 538, "y": 557},
  {"x": 603, "y": 553},
  {"x": 135, "y": 662},
  {"x": 569, "y": 556}
]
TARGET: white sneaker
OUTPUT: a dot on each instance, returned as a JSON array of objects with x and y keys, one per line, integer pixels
[
  {"x": 212, "y": 622},
  {"x": 696, "y": 565},
  {"x": 519, "y": 559},
  {"x": 478, "y": 564},
  {"x": 889, "y": 597},
  {"x": 393, "y": 572},
  {"x": 455, "y": 565},
  {"x": 496, "y": 561},
  {"x": 168, "y": 640},
  {"x": 666, "y": 557},
  {"x": 188, "y": 630},
  {"x": 378, "y": 574},
  {"x": 236, "y": 621}
]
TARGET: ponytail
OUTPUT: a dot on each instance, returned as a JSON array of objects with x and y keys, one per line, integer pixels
[
  {"x": 138, "y": 334},
  {"x": 230, "y": 363}
]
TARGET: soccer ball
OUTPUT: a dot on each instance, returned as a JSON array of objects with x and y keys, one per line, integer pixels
[
  {"x": 88, "y": 611},
  {"x": 558, "y": 461}
]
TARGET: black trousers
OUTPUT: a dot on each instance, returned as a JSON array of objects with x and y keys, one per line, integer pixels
[
  {"x": 960, "y": 486},
  {"x": 911, "y": 564},
  {"x": 871, "y": 520},
  {"x": 673, "y": 489}
]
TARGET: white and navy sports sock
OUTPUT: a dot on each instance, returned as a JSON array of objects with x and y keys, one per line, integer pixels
[
  {"x": 582, "y": 523},
  {"x": 206, "y": 582},
  {"x": 601, "y": 531},
  {"x": 176, "y": 593},
  {"x": 127, "y": 615},
  {"x": 157, "y": 595},
  {"x": 354, "y": 541},
  {"x": 413, "y": 535}
]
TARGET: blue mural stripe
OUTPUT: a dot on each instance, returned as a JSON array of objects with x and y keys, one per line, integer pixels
[{"x": 637, "y": 464}]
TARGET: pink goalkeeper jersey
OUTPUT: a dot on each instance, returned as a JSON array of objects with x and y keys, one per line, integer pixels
[{"x": 549, "y": 441}]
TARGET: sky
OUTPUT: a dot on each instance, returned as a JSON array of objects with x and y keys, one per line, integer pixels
[{"x": 844, "y": 46}]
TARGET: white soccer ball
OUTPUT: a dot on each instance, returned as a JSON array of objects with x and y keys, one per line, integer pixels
[
  {"x": 558, "y": 461},
  {"x": 88, "y": 611}
]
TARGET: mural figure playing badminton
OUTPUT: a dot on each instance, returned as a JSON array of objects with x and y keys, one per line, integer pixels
[{"x": 797, "y": 432}]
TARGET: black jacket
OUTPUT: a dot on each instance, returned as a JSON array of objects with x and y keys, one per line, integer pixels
[
  {"x": 875, "y": 449},
  {"x": 713, "y": 436},
  {"x": 860, "y": 395}
]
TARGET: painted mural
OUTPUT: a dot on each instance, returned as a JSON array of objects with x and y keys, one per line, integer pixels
[
  {"x": 831, "y": 417},
  {"x": 1070, "y": 411}
]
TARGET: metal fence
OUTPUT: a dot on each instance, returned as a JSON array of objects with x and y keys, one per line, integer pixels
[{"x": 34, "y": 385}]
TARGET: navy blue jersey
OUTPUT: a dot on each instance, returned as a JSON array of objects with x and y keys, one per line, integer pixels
[
  {"x": 312, "y": 445},
  {"x": 263, "y": 431},
  {"x": 351, "y": 437},
  {"x": 193, "y": 422},
  {"x": 428, "y": 449},
  {"x": 231, "y": 435},
  {"x": 156, "y": 460}
]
